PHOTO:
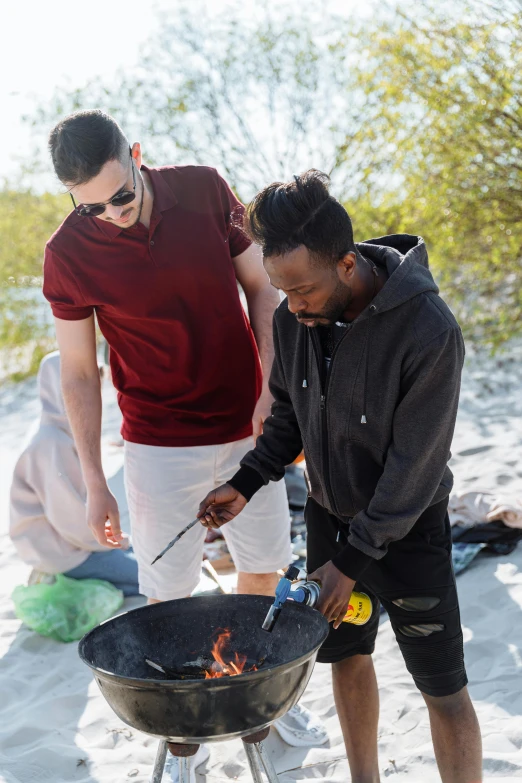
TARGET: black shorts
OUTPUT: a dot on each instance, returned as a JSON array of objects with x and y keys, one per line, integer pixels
[{"x": 416, "y": 585}]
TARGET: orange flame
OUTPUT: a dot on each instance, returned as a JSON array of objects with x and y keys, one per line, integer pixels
[{"x": 222, "y": 667}]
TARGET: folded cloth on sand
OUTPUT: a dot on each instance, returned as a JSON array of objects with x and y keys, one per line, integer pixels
[
  {"x": 471, "y": 508},
  {"x": 463, "y": 554},
  {"x": 496, "y": 536}
]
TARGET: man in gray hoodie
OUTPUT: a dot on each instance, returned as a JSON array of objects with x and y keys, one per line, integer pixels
[{"x": 366, "y": 380}]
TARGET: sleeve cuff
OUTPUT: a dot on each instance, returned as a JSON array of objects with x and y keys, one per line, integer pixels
[
  {"x": 247, "y": 481},
  {"x": 238, "y": 245},
  {"x": 71, "y": 313},
  {"x": 352, "y": 562}
]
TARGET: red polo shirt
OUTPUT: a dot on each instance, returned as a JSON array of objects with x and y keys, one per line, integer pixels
[{"x": 183, "y": 355}]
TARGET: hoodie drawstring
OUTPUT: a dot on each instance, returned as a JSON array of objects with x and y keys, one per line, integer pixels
[
  {"x": 368, "y": 343},
  {"x": 367, "y": 346},
  {"x": 305, "y": 359}
]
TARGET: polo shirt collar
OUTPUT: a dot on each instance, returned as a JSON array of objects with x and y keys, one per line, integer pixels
[{"x": 164, "y": 198}]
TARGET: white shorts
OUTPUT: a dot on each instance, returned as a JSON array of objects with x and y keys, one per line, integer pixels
[{"x": 165, "y": 486}]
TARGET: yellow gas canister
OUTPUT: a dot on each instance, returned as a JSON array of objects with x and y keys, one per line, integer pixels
[{"x": 359, "y": 609}]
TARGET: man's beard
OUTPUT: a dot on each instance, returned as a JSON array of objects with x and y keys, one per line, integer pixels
[{"x": 334, "y": 308}]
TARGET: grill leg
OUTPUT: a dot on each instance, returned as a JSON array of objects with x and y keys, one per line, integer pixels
[
  {"x": 159, "y": 764},
  {"x": 184, "y": 769},
  {"x": 266, "y": 762},
  {"x": 253, "y": 762},
  {"x": 258, "y": 759}
]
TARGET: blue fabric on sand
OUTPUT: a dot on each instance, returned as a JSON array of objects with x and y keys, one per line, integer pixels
[
  {"x": 463, "y": 554},
  {"x": 117, "y": 566}
]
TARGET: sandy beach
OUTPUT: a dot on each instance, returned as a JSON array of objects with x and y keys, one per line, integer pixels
[{"x": 55, "y": 726}]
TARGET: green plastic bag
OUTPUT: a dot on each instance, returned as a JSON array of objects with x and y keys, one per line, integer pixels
[{"x": 67, "y": 609}]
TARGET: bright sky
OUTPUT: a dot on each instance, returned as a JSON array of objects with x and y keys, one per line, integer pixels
[
  {"x": 59, "y": 42},
  {"x": 50, "y": 43}
]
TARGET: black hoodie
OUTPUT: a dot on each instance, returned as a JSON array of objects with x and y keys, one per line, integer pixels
[{"x": 377, "y": 430}]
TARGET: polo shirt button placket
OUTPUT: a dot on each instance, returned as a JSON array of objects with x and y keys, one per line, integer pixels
[{"x": 152, "y": 229}]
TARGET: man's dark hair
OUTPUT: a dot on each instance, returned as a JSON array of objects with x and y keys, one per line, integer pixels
[
  {"x": 82, "y": 143},
  {"x": 284, "y": 216}
]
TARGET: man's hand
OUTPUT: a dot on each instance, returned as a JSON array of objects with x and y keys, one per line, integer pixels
[
  {"x": 261, "y": 412},
  {"x": 103, "y": 517},
  {"x": 220, "y": 506},
  {"x": 336, "y": 589}
]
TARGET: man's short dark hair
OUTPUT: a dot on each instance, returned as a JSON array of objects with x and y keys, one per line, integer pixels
[
  {"x": 82, "y": 143},
  {"x": 285, "y": 216}
]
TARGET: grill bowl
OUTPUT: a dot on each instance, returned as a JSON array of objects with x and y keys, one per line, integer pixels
[{"x": 174, "y": 632}]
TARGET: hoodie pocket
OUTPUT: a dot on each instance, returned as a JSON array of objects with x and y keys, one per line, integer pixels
[
  {"x": 313, "y": 483},
  {"x": 364, "y": 467}
]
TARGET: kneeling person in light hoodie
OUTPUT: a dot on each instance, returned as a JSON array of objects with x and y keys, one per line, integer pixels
[{"x": 48, "y": 519}]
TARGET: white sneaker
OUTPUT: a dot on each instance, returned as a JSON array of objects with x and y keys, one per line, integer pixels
[
  {"x": 300, "y": 728},
  {"x": 196, "y": 761}
]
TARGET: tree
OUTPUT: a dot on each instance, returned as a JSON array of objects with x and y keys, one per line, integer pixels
[
  {"x": 257, "y": 96},
  {"x": 416, "y": 117},
  {"x": 27, "y": 220},
  {"x": 260, "y": 97},
  {"x": 445, "y": 120}
]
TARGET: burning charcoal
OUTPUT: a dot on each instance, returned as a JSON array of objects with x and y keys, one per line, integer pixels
[
  {"x": 172, "y": 673},
  {"x": 223, "y": 663},
  {"x": 200, "y": 663}
]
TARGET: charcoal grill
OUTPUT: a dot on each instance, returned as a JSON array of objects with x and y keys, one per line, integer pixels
[{"x": 186, "y": 712}]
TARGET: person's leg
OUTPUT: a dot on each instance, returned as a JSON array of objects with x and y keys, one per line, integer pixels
[
  {"x": 259, "y": 537},
  {"x": 349, "y": 650},
  {"x": 117, "y": 566},
  {"x": 416, "y": 584},
  {"x": 257, "y": 584},
  {"x": 357, "y": 702},
  {"x": 164, "y": 487},
  {"x": 456, "y": 737}
]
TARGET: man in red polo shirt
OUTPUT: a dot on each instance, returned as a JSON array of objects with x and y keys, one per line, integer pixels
[{"x": 156, "y": 255}]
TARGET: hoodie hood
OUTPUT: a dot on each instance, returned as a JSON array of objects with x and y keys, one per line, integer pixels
[
  {"x": 406, "y": 260},
  {"x": 50, "y": 391}
]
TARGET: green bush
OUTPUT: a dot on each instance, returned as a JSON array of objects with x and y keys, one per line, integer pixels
[{"x": 27, "y": 220}]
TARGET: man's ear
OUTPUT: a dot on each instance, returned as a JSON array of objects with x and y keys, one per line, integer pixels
[
  {"x": 136, "y": 153},
  {"x": 346, "y": 267}
]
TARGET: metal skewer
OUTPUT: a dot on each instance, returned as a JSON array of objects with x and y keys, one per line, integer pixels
[{"x": 175, "y": 540}]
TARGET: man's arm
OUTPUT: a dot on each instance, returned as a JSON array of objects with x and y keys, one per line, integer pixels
[
  {"x": 82, "y": 395},
  {"x": 262, "y": 300}
]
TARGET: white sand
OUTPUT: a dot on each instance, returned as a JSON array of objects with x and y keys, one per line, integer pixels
[{"x": 55, "y": 726}]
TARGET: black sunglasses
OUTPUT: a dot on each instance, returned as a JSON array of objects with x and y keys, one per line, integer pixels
[{"x": 119, "y": 200}]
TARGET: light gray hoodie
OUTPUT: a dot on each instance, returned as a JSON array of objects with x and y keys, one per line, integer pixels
[{"x": 48, "y": 522}]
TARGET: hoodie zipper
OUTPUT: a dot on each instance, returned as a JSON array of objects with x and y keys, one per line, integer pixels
[{"x": 324, "y": 380}]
